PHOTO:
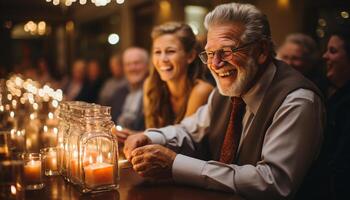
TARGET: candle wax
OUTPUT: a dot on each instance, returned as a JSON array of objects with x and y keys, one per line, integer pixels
[
  {"x": 32, "y": 171},
  {"x": 98, "y": 174}
]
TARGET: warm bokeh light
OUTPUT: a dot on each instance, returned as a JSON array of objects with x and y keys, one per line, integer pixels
[
  {"x": 113, "y": 38},
  {"x": 120, "y": 1},
  {"x": 165, "y": 8},
  {"x": 344, "y": 14},
  {"x": 283, "y": 4},
  {"x": 70, "y": 26}
]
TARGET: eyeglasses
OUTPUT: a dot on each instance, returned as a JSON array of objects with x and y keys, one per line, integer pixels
[{"x": 225, "y": 54}]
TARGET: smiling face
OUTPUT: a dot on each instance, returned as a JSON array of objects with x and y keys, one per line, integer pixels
[
  {"x": 338, "y": 63},
  {"x": 234, "y": 76},
  {"x": 135, "y": 66},
  {"x": 169, "y": 57},
  {"x": 293, "y": 55}
]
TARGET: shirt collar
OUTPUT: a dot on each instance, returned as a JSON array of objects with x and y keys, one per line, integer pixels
[{"x": 255, "y": 95}]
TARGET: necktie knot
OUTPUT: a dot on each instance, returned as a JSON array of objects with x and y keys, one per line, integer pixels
[{"x": 237, "y": 101}]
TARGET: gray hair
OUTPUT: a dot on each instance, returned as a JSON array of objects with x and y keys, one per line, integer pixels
[
  {"x": 142, "y": 52},
  {"x": 256, "y": 24},
  {"x": 309, "y": 46}
]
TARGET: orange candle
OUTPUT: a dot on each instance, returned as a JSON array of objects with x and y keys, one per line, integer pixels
[
  {"x": 51, "y": 161},
  {"x": 74, "y": 168},
  {"x": 98, "y": 174},
  {"x": 32, "y": 172}
]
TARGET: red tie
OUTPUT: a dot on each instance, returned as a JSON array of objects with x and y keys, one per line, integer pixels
[{"x": 233, "y": 132}]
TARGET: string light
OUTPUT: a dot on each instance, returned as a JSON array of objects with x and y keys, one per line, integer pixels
[{"x": 97, "y": 3}]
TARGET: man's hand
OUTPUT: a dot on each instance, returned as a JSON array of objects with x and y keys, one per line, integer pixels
[
  {"x": 153, "y": 161},
  {"x": 134, "y": 141}
]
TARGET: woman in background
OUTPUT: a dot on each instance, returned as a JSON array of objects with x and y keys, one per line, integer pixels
[
  {"x": 175, "y": 88},
  {"x": 336, "y": 148}
]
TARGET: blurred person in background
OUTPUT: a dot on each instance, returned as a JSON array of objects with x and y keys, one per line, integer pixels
[
  {"x": 301, "y": 52},
  {"x": 44, "y": 72},
  {"x": 75, "y": 83},
  {"x": 113, "y": 83},
  {"x": 175, "y": 88},
  {"x": 93, "y": 82},
  {"x": 47, "y": 73},
  {"x": 127, "y": 108},
  {"x": 336, "y": 150}
]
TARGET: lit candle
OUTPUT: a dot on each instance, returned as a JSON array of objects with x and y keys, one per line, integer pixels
[
  {"x": 97, "y": 174},
  {"x": 51, "y": 161},
  {"x": 74, "y": 165},
  {"x": 18, "y": 141},
  {"x": 50, "y": 136},
  {"x": 32, "y": 171},
  {"x": 3, "y": 152}
]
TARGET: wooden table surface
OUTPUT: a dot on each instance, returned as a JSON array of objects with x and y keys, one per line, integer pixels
[{"x": 132, "y": 187}]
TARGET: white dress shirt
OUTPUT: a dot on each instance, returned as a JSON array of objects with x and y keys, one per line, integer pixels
[{"x": 290, "y": 145}]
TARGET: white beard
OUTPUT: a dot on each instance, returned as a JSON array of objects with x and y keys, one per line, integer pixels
[{"x": 244, "y": 77}]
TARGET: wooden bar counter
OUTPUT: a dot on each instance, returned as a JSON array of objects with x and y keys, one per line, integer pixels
[{"x": 132, "y": 187}]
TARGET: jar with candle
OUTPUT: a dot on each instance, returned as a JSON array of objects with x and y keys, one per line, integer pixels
[
  {"x": 18, "y": 140},
  {"x": 33, "y": 171},
  {"x": 71, "y": 143},
  {"x": 49, "y": 157},
  {"x": 97, "y": 152},
  {"x": 72, "y": 116}
]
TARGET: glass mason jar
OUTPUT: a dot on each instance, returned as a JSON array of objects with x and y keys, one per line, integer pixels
[
  {"x": 49, "y": 159},
  {"x": 33, "y": 173},
  {"x": 63, "y": 126},
  {"x": 98, "y": 152},
  {"x": 92, "y": 149},
  {"x": 66, "y": 121}
]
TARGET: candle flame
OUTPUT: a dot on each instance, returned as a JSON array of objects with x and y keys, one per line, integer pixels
[
  {"x": 55, "y": 103},
  {"x": 13, "y": 190},
  {"x": 12, "y": 114},
  {"x": 50, "y": 115},
  {"x": 32, "y": 162},
  {"x": 18, "y": 133},
  {"x": 45, "y": 128},
  {"x": 90, "y": 160},
  {"x": 75, "y": 154},
  {"x": 99, "y": 159}
]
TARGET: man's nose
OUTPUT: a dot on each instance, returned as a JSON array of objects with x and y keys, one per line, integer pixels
[{"x": 217, "y": 61}]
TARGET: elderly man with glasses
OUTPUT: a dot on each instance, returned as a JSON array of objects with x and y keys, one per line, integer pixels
[{"x": 261, "y": 129}]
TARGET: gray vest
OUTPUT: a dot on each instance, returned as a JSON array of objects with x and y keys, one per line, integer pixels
[{"x": 285, "y": 81}]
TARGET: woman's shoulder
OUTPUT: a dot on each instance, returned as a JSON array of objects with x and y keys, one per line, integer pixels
[
  {"x": 201, "y": 87},
  {"x": 199, "y": 96}
]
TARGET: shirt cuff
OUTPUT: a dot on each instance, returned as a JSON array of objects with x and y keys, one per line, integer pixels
[
  {"x": 155, "y": 137},
  {"x": 188, "y": 170}
]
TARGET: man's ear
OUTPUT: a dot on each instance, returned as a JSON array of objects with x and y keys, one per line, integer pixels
[
  {"x": 263, "y": 52},
  {"x": 191, "y": 56}
]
